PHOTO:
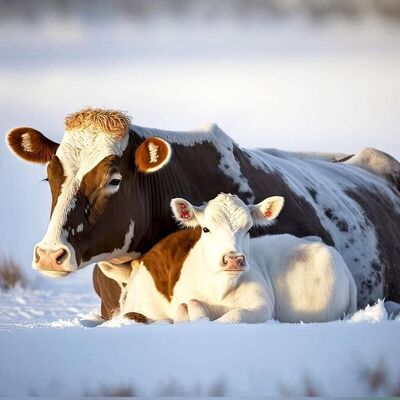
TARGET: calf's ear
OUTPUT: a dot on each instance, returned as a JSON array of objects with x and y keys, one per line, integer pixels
[
  {"x": 152, "y": 155},
  {"x": 186, "y": 214},
  {"x": 31, "y": 145},
  {"x": 264, "y": 213}
]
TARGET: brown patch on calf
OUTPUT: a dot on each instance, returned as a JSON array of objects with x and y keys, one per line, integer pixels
[
  {"x": 111, "y": 122},
  {"x": 165, "y": 260},
  {"x": 31, "y": 145},
  {"x": 137, "y": 317}
]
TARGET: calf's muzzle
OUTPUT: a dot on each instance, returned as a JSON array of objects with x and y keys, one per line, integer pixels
[{"x": 233, "y": 262}]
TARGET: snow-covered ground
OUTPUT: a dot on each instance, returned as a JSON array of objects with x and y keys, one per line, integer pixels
[
  {"x": 286, "y": 85},
  {"x": 48, "y": 348}
]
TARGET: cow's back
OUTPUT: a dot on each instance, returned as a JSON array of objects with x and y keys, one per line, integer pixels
[{"x": 347, "y": 206}]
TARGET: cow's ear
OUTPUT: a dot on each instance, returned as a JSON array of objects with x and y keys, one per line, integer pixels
[
  {"x": 31, "y": 145},
  {"x": 264, "y": 213},
  {"x": 186, "y": 214},
  {"x": 153, "y": 154}
]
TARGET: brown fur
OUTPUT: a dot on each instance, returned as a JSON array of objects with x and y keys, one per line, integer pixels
[
  {"x": 109, "y": 292},
  {"x": 114, "y": 123},
  {"x": 42, "y": 148},
  {"x": 165, "y": 260},
  {"x": 142, "y": 155},
  {"x": 134, "y": 316},
  {"x": 56, "y": 177}
]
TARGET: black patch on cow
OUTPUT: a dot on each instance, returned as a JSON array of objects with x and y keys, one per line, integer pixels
[
  {"x": 340, "y": 223},
  {"x": 375, "y": 265},
  {"x": 313, "y": 193}
]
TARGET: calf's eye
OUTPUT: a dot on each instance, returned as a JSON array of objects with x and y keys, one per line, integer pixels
[{"x": 205, "y": 230}]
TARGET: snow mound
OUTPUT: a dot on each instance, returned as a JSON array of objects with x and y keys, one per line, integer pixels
[{"x": 375, "y": 313}]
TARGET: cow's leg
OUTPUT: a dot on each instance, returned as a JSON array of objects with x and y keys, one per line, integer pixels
[{"x": 108, "y": 291}]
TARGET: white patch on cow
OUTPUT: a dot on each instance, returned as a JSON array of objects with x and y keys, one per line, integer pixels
[
  {"x": 123, "y": 251},
  {"x": 79, "y": 152},
  {"x": 26, "y": 142},
  {"x": 79, "y": 228},
  {"x": 153, "y": 153},
  {"x": 211, "y": 134}
]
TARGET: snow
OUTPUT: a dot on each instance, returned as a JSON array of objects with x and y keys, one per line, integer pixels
[
  {"x": 54, "y": 344},
  {"x": 372, "y": 314}
]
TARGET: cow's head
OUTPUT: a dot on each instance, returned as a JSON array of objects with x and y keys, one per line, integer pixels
[
  {"x": 91, "y": 173},
  {"x": 225, "y": 223}
]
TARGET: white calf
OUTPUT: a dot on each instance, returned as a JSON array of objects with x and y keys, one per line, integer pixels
[{"x": 216, "y": 271}]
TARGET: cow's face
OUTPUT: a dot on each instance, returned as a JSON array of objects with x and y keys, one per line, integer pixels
[
  {"x": 91, "y": 173},
  {"x": 225, "y": 223}
]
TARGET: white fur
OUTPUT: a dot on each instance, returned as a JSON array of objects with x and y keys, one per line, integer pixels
[
  {"x": 286, "y": 278},
  {"x": 153, "y": 152},
  {"x": 26, "y": 142}
]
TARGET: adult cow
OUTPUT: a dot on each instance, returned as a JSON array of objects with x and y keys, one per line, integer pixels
[{"x": 111, "y": 183}]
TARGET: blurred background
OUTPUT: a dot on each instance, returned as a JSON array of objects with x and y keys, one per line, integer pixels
[{"x": 321, "y": 75}]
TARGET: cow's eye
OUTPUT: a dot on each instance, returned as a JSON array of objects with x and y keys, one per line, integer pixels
[
  {"x": 115, "y": 182},
  {"x": 205, "y": 230}
]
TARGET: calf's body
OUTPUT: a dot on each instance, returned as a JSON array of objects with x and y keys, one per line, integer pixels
[{"x": 220, "y": 274}]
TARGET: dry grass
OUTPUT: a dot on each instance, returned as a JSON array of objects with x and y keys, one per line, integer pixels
[
  {"x": 108, "y": 391},
  {"x": 171, "y": 389},
  {"x": 11, "y": 274},
  {"x": 377, "y": 379},
  {"x": 380, "y": 381}
]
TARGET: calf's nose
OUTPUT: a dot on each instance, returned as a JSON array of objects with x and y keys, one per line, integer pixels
[{"x": 234, "y": 262}]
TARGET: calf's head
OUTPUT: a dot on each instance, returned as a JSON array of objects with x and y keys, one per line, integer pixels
[
  {"x": 225, "y": 223},
  {"x": 91, "y": 175}
]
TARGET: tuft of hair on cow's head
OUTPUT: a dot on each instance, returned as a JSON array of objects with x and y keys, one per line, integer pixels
[
  {"x": 152, "y": 155},
  {"x": 265, "y": 213},
  {"x": 110, "y": 122},
  {"x": 31, "y": 145}
]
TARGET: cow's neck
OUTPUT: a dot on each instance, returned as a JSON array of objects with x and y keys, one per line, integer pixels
[{"x": 194, "y": 173}]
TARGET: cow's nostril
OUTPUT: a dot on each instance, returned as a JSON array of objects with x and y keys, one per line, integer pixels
[
  {"x": 225, "y": 260},
  {"x": 240, "y": 261},
  {"x": 38, "y": 253},
  {"x": 60, "y": 256}
]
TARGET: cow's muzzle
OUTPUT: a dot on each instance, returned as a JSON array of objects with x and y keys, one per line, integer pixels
[
  {"x": 54, "y": 260},
  {"x": 233, "y": 262}
]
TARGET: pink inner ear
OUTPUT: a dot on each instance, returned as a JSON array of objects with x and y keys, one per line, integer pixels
[
  {"x": 185, "y": 214},
  {"x": 268, "y": 213}
]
